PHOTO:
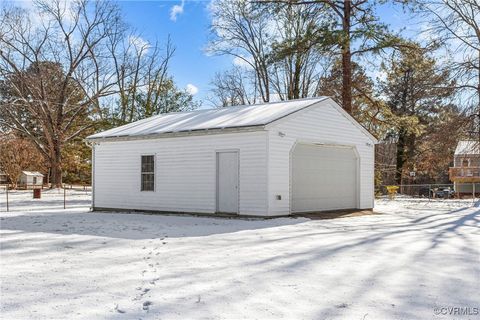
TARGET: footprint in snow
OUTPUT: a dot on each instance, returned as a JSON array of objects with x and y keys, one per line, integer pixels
[
  {"x": 118, "y": 309},
  {"x": 146, "y": 305},
  {"x": 142, "y": 293}
]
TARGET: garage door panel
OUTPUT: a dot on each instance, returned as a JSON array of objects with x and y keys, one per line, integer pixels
[{"x": 323, "y": 178}]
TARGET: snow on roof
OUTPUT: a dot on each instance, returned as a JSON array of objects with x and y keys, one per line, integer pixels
[
  {"x": 32, "y": 173},
  {"x": 220, "y": 118},
  {"x": 468, "y": 147}
]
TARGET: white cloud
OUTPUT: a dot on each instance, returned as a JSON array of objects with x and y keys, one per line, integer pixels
[
  {"x": 39, "y": 18},
  {"x": 139, "y": 44},
  {"x": 193, "y": 90},
  {"x": 176, "y": 10}
]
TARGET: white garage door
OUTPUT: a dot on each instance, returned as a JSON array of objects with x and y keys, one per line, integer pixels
[{"x": 323, "y": 178}]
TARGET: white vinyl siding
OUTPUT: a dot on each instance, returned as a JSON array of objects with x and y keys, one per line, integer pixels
[
  {"x": 30, "y": 180},
  {"x": 185, "y": 173},
  {"x": 317, "y": 124}
]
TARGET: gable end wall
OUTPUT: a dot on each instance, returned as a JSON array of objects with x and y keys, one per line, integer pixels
[{"x": 321, "y": 123}]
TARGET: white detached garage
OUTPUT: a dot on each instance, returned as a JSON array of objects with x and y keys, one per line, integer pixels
[{"x": 271, "y": 159}]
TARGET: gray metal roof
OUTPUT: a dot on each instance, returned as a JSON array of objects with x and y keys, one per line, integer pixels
[
  {"x": 221, "y": 118},
  {"x": 468, "y": 147},
  {"x": 32, "y": 173}
]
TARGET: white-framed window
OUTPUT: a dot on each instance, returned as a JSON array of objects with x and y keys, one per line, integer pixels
[{"x": 148, "y": 173}]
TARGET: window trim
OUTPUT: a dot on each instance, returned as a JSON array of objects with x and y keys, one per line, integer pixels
[{"x": 153, "y": 172}]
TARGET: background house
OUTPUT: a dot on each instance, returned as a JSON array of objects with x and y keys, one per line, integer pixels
[
  {"x": 271, "y": 159},
  {"x": 465, "y": 172},
  {"x": 30, "y": 179}
]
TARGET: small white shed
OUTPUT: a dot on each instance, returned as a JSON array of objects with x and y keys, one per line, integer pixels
[
  {"x": 271, "y": 159},
  {"x": 3, "y": 178},
  {"x": 31, "y": 178}
]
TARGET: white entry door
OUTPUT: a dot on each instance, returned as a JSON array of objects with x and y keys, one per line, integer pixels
[
  {"x": 323, "y": 178},
  {"x": 227, "y": 182}
]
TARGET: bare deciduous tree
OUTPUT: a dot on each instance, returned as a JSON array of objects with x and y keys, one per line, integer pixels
[
  {"x": 56, "y": 68},
  {"x": 242, "y": 31},
  {"x": 457, "y": 24},
  {"x": 233, "y": 87},
  {"x": 296, "y": 58},
  {"x": 283, "y": 40},
  {"x": 144, "y": 85}
]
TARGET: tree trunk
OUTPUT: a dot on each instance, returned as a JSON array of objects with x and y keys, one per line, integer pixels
[
  {"x": 400, "y": 155},
  {"x": 346, "y": 59},
  {"x": 296, "y": 78},
  {"x": 56, "y": 166},
  {"x": 478, "y": 97}
]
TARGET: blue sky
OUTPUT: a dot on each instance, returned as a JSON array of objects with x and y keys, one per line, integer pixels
[{"x": 189, "y": 33}]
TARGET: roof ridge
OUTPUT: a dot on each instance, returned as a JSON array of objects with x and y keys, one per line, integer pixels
[{"x": 243, "y": 106}]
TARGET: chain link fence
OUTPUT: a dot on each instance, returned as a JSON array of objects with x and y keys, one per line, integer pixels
[
  {"x": 71, "y": 196},
  {"x": 430, "y": 191},
  {"x": 38, "y": 198}
]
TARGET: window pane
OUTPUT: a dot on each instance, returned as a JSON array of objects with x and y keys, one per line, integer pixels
[
  {"x": 148, "y": 173},
  {"x": 147, "y": 164},
  {"x": 147, "y": 182}
]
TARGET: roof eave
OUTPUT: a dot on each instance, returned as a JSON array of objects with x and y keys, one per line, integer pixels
[{"x": 197, "y": 132}]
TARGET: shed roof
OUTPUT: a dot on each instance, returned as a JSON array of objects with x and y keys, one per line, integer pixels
[
  {"x": 32, "y": 173},
  {"x": 468, "y": 147},
  {"x": 220, "y": 118}
]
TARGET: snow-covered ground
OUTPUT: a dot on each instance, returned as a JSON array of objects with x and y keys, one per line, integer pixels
[{"x": 401, "y": 264}]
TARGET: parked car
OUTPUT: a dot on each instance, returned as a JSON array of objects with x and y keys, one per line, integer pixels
[
  {"x": 444, "y": 192},
  {"x": 441, "y": 192}
]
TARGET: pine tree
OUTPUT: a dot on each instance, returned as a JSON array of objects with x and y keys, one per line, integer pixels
[{"x": 416, "y": 91}]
